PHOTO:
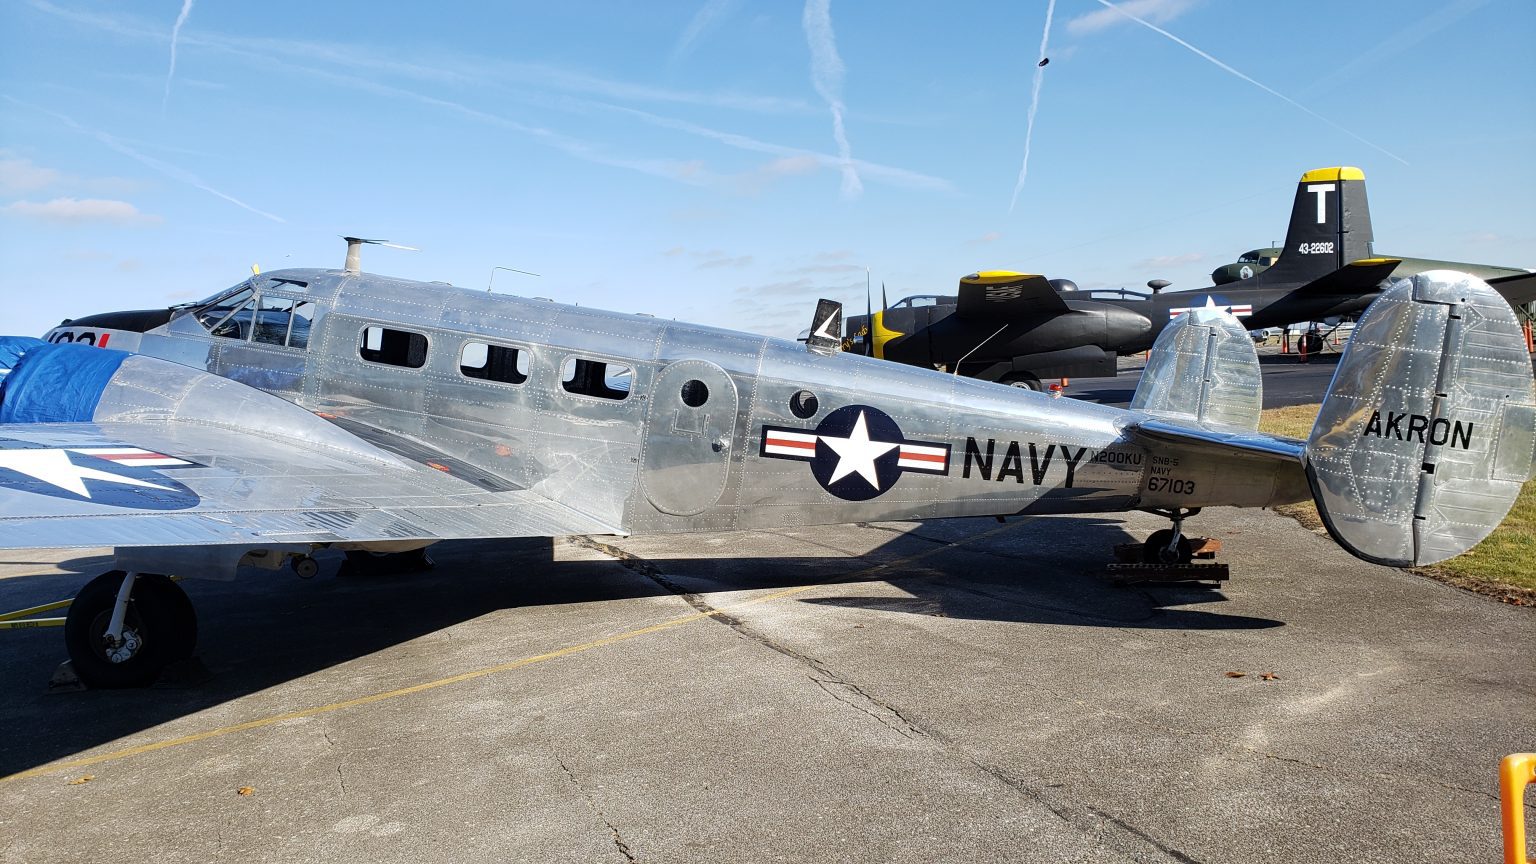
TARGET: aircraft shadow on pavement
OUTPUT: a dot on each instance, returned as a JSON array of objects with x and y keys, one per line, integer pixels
[{"x": 267, "y": 628}]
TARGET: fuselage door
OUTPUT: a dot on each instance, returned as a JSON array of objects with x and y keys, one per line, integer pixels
[{"x": 688, "y": 436}]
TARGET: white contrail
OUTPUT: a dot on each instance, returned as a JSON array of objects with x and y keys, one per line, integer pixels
[
  {"x": 827, "y": 77},
  {"x": 186, "y": 9},
  {"x": 1270, "y": 90},
  {"x": 711, "y": 12},
  {"x": 167, "y": 169},
  {"x": 1034, "y": 104}
]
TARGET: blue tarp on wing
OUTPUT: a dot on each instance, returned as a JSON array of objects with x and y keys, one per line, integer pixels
[
  {"x": 12, "y": 347},
  {"x": 57, "y": 383}
]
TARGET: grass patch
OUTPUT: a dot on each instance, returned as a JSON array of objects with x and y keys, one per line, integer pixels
[{"x": 1503, "y": 565}]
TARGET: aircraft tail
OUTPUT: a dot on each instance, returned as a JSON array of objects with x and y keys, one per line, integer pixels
[
  {"x": 1330, "y": 227},
  {"x": 1203, "y": 371},
  {"x": 1428, "y": 430}
]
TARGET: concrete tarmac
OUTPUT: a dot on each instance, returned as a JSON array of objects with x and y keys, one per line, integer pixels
[{"x": 945, "y": 691}]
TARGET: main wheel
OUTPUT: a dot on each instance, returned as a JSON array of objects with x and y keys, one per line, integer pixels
[
  {"x": 1156, "y": 551},
  {"x": 1022, "y": 381},
  {"x": 160, "y": 628}
]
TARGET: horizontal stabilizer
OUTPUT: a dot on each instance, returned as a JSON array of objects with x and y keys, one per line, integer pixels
[
  {"x": 1428, "y": 431},
  {"x": 1356, "y": 277},
  {"x": 1203, "y": 370},
  {"x": 1001, "y": 296}
]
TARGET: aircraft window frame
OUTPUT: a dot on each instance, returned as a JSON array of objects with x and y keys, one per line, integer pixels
[
  {"x": 579, "y": 378},
  {"x": 405, "y": 363},
  {"x": 216, "y": 305},
  {"x": 521, "y": 365}
]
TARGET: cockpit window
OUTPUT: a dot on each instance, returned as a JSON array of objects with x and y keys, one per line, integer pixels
[
  {"x": 918, "y": 300},
  {"x": 282, "y": 321},
  {"x": 219, "y": 317}
]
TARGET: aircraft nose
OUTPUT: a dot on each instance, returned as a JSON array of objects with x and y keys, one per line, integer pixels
[{"x": 1126, "y": 327}]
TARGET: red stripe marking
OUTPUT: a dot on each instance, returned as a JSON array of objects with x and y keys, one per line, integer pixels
[
  {"x": 922, "y": 457},
  {"x": 101, "y": 342},
  {"x": 790, "y": 442}
]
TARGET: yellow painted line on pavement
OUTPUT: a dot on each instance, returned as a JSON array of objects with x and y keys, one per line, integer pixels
[{"x": 384, "y": 696}]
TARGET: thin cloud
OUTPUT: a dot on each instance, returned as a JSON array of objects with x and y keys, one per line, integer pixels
[
  {"x": 1170, "y": 260},
  {"x": 1159, "y": 11},
  {"x": 456, "y": 68},
  {"x": 1270, "y": 90},
  {"x": 74, "y": 211},
  {"x": 705, "y": 19},
  {"x": 171, "y": 171},
  {"x": 717, "y": 263},
  {"x": 1034, "y": 104},
  {"x": 186, "y": 10},
  {"x": 895, "y": 176},
  {"x": 827, "y": 78},
  {"x": 1406, "y": 38},
  {"x": 19, "y": 175},
  {"x": 989, "y": 237}
]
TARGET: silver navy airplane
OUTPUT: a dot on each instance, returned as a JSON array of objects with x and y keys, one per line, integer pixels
[{"x": 311, "y": 408}]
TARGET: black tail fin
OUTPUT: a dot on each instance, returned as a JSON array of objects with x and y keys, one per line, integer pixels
[{"x": 1330, "y": 227}]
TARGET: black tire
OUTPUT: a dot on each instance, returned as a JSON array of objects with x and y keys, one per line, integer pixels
[
  {"x": 1311, "y": 343},
  {"x": 160, "y": 616},
  {"x": 1156, "y": 551},
  {"x": 1023, "y": 382}
]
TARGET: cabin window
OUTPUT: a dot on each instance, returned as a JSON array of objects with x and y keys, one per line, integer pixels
[
  {"x": 597, "y": 378},
  {"x": 804, "y": 404},
  {"x": 487, "y": 362},
  {"x": 695, "y": 393},
  {"x": 393, "y": 347}
]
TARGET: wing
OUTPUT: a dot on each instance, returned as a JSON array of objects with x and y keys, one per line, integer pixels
[
  {"x": 180, "y": 483},
  {"x": 1518, "y": 289},
  {"x": 175, "y": 483},
  {"x": 1005, "y": 296}
]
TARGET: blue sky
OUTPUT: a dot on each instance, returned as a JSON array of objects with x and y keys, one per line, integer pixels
[{"x": 728, "y": 162}]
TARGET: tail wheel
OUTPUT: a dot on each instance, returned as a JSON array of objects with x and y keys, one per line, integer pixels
[
  {"x": 160, "y": 628},
  {"x": 1156, "y": 550}
]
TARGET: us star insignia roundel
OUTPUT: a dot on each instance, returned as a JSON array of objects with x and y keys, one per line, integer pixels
[
  {"x": 116, "y": 476},
  {"x": 856, "y": 452}
]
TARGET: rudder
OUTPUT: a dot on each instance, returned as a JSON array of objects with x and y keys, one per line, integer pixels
[
  {"x": 1330, "y": 227},
  {"x": 1428, "y": 431}
]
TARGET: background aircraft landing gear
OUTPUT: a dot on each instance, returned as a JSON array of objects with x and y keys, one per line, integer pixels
[
  {"x": 1023, "y": 380},
  {"x": 157, "y": 627},
  {"x": 361, "y": 562}
]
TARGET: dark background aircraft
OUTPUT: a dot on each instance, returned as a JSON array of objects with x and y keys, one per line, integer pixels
[{"x": 1021, "y": 329}]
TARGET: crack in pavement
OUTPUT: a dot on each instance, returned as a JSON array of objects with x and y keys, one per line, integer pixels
[
  {"x": 613, "y": 831},
  {"x": 838, "y": 688}
]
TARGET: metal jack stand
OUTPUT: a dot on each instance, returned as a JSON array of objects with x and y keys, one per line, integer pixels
[{"x": 1169, "y": 556}]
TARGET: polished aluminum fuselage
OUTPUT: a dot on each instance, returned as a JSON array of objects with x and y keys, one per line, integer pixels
[{"x": 651, "y": 462}]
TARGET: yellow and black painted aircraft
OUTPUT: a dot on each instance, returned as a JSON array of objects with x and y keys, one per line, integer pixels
[{"x": 1019, "y": 329}]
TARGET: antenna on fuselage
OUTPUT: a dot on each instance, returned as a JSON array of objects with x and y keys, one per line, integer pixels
[
  {"x": 355, "y": 248},
  {"x": 492, "y": 283}
]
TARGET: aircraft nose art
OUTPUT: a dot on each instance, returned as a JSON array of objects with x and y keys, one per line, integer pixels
[{"x": 856, "y": 452}]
